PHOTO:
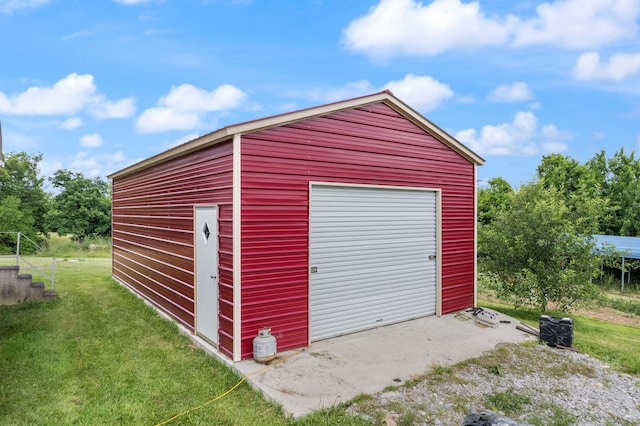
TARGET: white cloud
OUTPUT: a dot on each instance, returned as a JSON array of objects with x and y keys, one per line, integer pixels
[
  {"x": 91, "y": 141},
  {"x": 409, "y": 27},
  {"x": 580, "y": 24},
  {"x": 98, "y": 165},
  {"x": 620, "y": 66},
  {"x": 10, "y": 6},
  {"x": 104, "y": 108},
  {"x": 420, "y": 92},
  {"x": 395, "y": 27},
  {"x": 186, "y": 106},
  {"x": 550, "y": 131},
  {"x": 516, "y": 92},
  {"x": 188, "y": 98},
  {"x": 520, "y": 137},
  {"x": 89, "y": 165},
  {"x": 553, "y": 140},
  {"x": 162, "y": 119},
  {"x": 71, "y": 123},
  {"x": 69, "y": 96},
  {"x": 503, "y": 139},
  {"x": 47, "y": 167}
]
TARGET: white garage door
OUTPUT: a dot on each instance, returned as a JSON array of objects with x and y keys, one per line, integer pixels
[{"x": 372, "y": 257}]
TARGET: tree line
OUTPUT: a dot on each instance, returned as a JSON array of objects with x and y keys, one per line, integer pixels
[
  {"x": 535, "y": 243},
  {"x": 76, "y": 205}
]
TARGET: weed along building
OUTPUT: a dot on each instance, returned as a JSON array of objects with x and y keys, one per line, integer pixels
[{"x": 315, "y": 223}]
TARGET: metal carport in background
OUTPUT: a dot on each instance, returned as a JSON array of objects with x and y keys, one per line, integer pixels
[{"x": 628, "y": 247}]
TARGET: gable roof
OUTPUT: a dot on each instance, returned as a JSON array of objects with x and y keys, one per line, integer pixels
[{"x": 225, "y": 133}]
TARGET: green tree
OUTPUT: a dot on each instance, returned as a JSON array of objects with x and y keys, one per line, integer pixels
[
  {"x": 599, "y": 169},
  {"x": 623, "y": 189},
  {"x": 493, "y": 199},
  {"x": 562, "y": 172},
  {"x": 537, "y": 253},
  {"x": 581, "y": 187},
  {"x": 23, "y": 201},
  {"x": 82, "y": 208},
  {"x": 13, "y": 219}
]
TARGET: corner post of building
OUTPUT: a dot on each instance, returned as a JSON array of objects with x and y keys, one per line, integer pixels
[{"x": 237, "y": 264}]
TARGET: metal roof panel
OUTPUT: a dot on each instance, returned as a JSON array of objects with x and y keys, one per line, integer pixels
[
  {"x": 629, "y": 246},
  {"x": 278, "y": 120}
]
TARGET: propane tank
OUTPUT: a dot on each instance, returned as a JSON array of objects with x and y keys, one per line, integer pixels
[{"x": 264, "y": 346}]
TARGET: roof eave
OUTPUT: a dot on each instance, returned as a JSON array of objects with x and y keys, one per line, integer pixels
[
  {"x": 304, "y": 114},
  {"x": 185, "y": 148}
]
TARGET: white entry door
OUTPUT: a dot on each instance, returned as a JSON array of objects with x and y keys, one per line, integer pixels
[{"x": 206, "y": 244}]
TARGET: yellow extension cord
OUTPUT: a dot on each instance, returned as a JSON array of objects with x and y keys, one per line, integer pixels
[{"x": 234, "y": 387}]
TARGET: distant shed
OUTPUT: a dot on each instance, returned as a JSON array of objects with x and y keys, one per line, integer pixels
[
  {"x": 627, "y": 247},
  {"x": 316, "y": 223}
]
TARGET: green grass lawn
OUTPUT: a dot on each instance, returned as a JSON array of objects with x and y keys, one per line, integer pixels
[
  {"x": 613, "y": 343},
  {"x": 99, "y": 355}
]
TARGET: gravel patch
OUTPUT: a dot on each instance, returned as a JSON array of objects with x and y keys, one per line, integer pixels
[{"x": 530, "y": 384}]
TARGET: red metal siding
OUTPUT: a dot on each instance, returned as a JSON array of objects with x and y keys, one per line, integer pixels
[
  {"x": 153, "y": 232},
  {"x": 367, "y": 145}
]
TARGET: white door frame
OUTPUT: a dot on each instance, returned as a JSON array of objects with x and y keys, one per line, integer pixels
[{"x": 205, "y": 254}]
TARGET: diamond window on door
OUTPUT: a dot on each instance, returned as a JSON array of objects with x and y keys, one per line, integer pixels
[{"x": 206, "y": 233}]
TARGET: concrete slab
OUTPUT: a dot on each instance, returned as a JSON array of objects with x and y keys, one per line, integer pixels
[{"x": 335, "y": 370}]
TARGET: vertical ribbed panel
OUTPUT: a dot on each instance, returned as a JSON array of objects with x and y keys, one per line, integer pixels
[
  {"x": 153, "y": 236},
  {"x": 370, "y": 145},
  {"x": 372, "y": 257}
]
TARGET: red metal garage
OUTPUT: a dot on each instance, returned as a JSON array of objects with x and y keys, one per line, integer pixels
[{"x": 315, "y": 223}]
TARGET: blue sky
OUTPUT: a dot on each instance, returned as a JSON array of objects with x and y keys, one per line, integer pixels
[{"x": 97, "y": 85}]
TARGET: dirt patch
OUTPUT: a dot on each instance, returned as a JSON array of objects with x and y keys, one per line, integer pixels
[
  {"x": 598, "y": 312},
  {"x": 610, "y": 315},
  {"x": 323, "y": 354}
]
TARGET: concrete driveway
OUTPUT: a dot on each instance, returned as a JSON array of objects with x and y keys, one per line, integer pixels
[{"x": 335, "y": 370}]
